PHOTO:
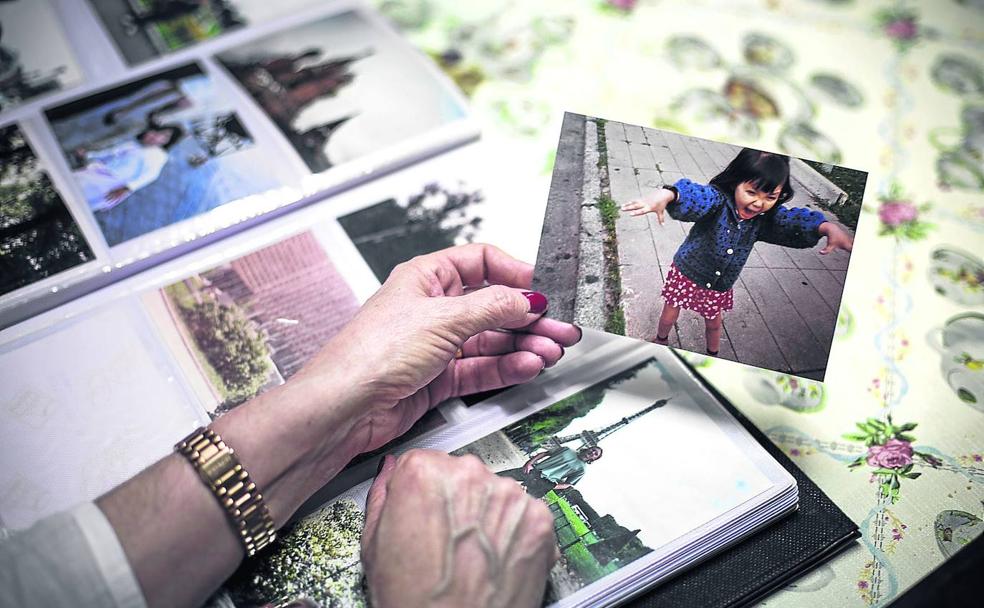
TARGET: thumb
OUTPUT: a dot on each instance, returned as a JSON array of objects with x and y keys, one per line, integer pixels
[
  {"x": 376, "y": 499},
  {"x": 495, "y": 307},
  {"x": 826, "y": 249}
]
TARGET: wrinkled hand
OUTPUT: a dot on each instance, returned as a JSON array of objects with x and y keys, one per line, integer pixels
[
  {"x": 399, "y": 352},
  {"x": 656, "y": 203},
  {"x": 837, "y": 238},
  {"x": 444, "y": 531}
]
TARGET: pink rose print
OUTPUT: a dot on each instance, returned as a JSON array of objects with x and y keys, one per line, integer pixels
[
  {"x": 900, "y": 217},
  {"x": 890, "y": 455},
  {"x": 895, "y": 454},
  {"x": 895, "y": 213},
  {"x": 902, "y": 29}
]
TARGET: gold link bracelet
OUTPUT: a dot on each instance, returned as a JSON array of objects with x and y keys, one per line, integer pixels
[{"x": 221, "y": 471}]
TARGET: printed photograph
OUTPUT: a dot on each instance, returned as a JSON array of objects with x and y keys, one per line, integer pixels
[
  {"x": 341, "y": 88},
  {"x": 35, "y": 57},
  {"x": 145, "y": 29},
  {"x": 38, "y": 235},
  {"x": 399, "y": 228},
  {"x": 596, "y": 457},
  {"x": 252, "y": 323},
  {"x": 712, "y": 248},
  {"x": 157, "y": 151}
]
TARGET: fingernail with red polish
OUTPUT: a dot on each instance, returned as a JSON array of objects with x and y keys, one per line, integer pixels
[{"x": 538, "y": 301}]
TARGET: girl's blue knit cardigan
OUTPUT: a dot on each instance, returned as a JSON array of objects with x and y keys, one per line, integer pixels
[{"x": 719, "y": 243}]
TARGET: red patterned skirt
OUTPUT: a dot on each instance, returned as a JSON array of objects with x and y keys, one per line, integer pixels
[{"x": 681, "y": 292}]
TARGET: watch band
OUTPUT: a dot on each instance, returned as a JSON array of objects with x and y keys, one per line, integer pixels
[{"x": 221, "y": 471}]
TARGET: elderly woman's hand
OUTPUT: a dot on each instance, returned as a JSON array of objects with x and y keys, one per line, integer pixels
[
  {"x": 432, "y": 332},
  {"x": 445, "y": 531}
]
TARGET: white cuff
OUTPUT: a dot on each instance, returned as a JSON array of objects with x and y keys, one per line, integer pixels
[{"x": 109, "y": 556}]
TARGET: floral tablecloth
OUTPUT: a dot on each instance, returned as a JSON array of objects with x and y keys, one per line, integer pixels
[{"x": 895, "y": 435}]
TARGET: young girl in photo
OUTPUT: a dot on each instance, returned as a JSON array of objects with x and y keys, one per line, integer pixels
[{"x": 742, "y": 205}]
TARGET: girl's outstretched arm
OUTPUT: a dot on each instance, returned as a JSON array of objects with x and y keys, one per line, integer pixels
[
  {"x": 796, "y": 227},
  {"x": 837, "y": 238},
  {"x": 695, "y": 201},
  {"x": 655, "y": 203},
  {"x": 686, "y": 201}
]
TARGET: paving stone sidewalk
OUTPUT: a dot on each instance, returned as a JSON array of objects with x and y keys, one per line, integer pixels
[{"x": 786, "y": 300}]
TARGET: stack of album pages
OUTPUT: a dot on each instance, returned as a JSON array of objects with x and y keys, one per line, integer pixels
[{"x": 665, "y": 478}]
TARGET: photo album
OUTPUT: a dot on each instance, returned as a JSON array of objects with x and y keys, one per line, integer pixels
[
  {"x": 195, "y": 197},
  {"x": 599, "y": 440},
  {"x": 177, "y": 124}
]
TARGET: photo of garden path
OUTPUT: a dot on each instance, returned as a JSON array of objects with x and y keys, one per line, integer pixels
[
  {"x": 252, "y": 323},
  {"x": 605, "y": 269}
]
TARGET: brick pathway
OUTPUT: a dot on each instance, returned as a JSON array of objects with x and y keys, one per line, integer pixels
[{"x": 786, "y": 300}]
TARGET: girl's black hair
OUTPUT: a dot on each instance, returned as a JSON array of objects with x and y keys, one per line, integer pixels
[
  {"x": 176, "y": 133},
  {"x": 764, "y": 170}
]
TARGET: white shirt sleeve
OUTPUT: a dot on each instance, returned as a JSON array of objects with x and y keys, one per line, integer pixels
[
  {"x": 71, "y": 558},
  {"x": 154, "y": 160}
]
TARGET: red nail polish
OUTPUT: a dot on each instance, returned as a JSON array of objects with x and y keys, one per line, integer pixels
[{"x": 538, "y": 301}]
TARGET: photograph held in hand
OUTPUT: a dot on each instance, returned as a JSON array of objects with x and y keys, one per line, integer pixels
[{"x": 726, "y": 251}]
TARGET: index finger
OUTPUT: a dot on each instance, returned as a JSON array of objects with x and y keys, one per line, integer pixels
[{"x": 476, "y": 264}]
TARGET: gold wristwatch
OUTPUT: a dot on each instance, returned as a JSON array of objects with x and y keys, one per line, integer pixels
[{"x": 221, "y": 471}]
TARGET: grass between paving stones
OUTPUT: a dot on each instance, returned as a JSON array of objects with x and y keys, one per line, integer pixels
[
  {"x": 615, "y": 322},
  {"x": 602, "y": 145},
  {"x": 614, "y": 317}
]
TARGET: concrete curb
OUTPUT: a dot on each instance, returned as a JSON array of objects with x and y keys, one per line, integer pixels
[
  {"x": 589, "y": 307},
  {"x": 815, "y": 183},
  {"x": 557, "y": 259}
]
